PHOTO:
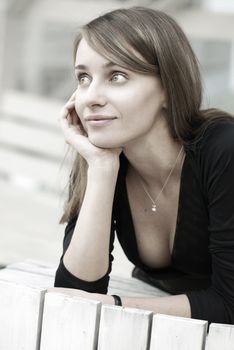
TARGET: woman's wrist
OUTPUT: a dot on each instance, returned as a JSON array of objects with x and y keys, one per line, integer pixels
[
  {"x": 102, "y": 180},
  {"x": 107, "y": 169}
]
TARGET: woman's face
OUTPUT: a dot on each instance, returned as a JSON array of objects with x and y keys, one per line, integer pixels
[{"x": 115, "y": 105}]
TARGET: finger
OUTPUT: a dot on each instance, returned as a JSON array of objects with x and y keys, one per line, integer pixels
[
  {"x": 73, "y": 96},
  {"x": 66, "y": 111},
  {"x": 78, "y": 129},
  {"x": 69, "y": 120},
  {"x": 78, "y": 141},
  {"x": 77, "y": 123},
  {"x": 70, "y": 130},
  {"x": 64, "y": 123},
  {"x": 69, "y": 106},
  {"x": 65, "y": 115},
  {"x": 75, "y": 120},
  {"x": 74, "y": 117}
]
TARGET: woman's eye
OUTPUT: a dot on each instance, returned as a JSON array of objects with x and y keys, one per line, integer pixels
[
  {"x": 119, "y": 77},
  {"x": 83, "y": 79}
]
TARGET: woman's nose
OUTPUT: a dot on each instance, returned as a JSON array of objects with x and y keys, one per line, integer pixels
[{"x": 95, "y": 96}]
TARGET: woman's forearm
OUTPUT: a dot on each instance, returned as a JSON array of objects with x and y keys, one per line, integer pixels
[
  {"x": 87, "y": 256},
  {"x": 176, "y": 305}
]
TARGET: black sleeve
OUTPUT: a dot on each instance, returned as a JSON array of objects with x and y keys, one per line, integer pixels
[
  {"x": 216, "y": 304},
  {"x": 63, "y": 278}
]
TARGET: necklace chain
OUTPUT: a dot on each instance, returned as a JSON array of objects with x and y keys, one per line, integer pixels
[{"x": 154, "y": 206}]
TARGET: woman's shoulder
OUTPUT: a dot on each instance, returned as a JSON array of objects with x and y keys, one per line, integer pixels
[
  {"x": 214, "y": 150},
  {"x": 217, "y": 135}
]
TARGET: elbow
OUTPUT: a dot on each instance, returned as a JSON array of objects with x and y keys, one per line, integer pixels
[{"x": 64, "y": 279}]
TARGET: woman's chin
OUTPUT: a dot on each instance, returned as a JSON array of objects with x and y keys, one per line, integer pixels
[{"x": 104, "y": 143}]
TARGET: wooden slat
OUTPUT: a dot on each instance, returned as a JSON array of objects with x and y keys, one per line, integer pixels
[
  {"x": 33, "y": 266},
  {"x": 118, "y": 285},
  {"x": 177, "y": 333},
  {"x": 26, "y": 278},
  {"x": 124, "y": 328},
  {"x": 42, "y": 277},
  {"x": 221, "y": 337},
  {"x": 20, "y": 316},
  {"x": 73, "y": 323},
  {"x": 69, "y": 323}
]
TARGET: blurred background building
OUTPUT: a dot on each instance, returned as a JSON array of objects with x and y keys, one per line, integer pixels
[{"x": 36, "y": 77}]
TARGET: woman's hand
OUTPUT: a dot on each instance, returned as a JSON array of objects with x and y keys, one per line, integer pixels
[{"x": 76, "y": 136}]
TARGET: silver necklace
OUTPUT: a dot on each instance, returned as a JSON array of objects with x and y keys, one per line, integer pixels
[{"x": 154, "y": 206}]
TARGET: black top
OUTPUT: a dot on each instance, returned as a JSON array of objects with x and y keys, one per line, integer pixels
[{"x": 202, "y": 262}]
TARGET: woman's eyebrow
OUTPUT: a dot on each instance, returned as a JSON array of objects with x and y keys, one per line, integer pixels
[{"x": 105, "y": 65}]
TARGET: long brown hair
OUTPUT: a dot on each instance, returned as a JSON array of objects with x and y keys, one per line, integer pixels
[{"x": 165, "y": 51}]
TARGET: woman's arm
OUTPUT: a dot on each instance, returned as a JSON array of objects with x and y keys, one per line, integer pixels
[
  {"x": 176, "y": 305},
  {"x": 87, "y": 256}
]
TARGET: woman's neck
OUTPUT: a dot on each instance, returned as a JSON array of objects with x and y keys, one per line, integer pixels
[{"x": 153, "y": 156}]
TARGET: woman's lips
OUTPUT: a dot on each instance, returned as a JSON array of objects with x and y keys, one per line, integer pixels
[{"x": 99, "y": 121}]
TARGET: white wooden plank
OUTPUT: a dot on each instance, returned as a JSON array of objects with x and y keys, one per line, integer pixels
[
  {"x": 34, "y": 266},
  {"x": 26, "y": 278},
  {"x": 20, "y": 316},
  {"x": 124, "y": 328},
  {"x": 177, "y": 333},
  {"x": 220, "y": 337},
  {"x": 69, "y": 323},
  {"x": 118, "y": 285}
]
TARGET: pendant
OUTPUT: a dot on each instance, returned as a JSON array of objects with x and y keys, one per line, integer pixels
[{"x": 154, "y": 208}]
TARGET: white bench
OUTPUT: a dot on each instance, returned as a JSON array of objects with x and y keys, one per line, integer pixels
[{"x": 33, "y": 319}]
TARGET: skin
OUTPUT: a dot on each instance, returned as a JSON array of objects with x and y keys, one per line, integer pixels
[
  {"x": 138, "y": 104},
  {"x": 141, "y": 133},
  {"x": 116, "y": 92}
]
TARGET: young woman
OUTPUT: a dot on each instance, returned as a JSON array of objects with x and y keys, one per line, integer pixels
[{"x": 150, "y": 166}]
